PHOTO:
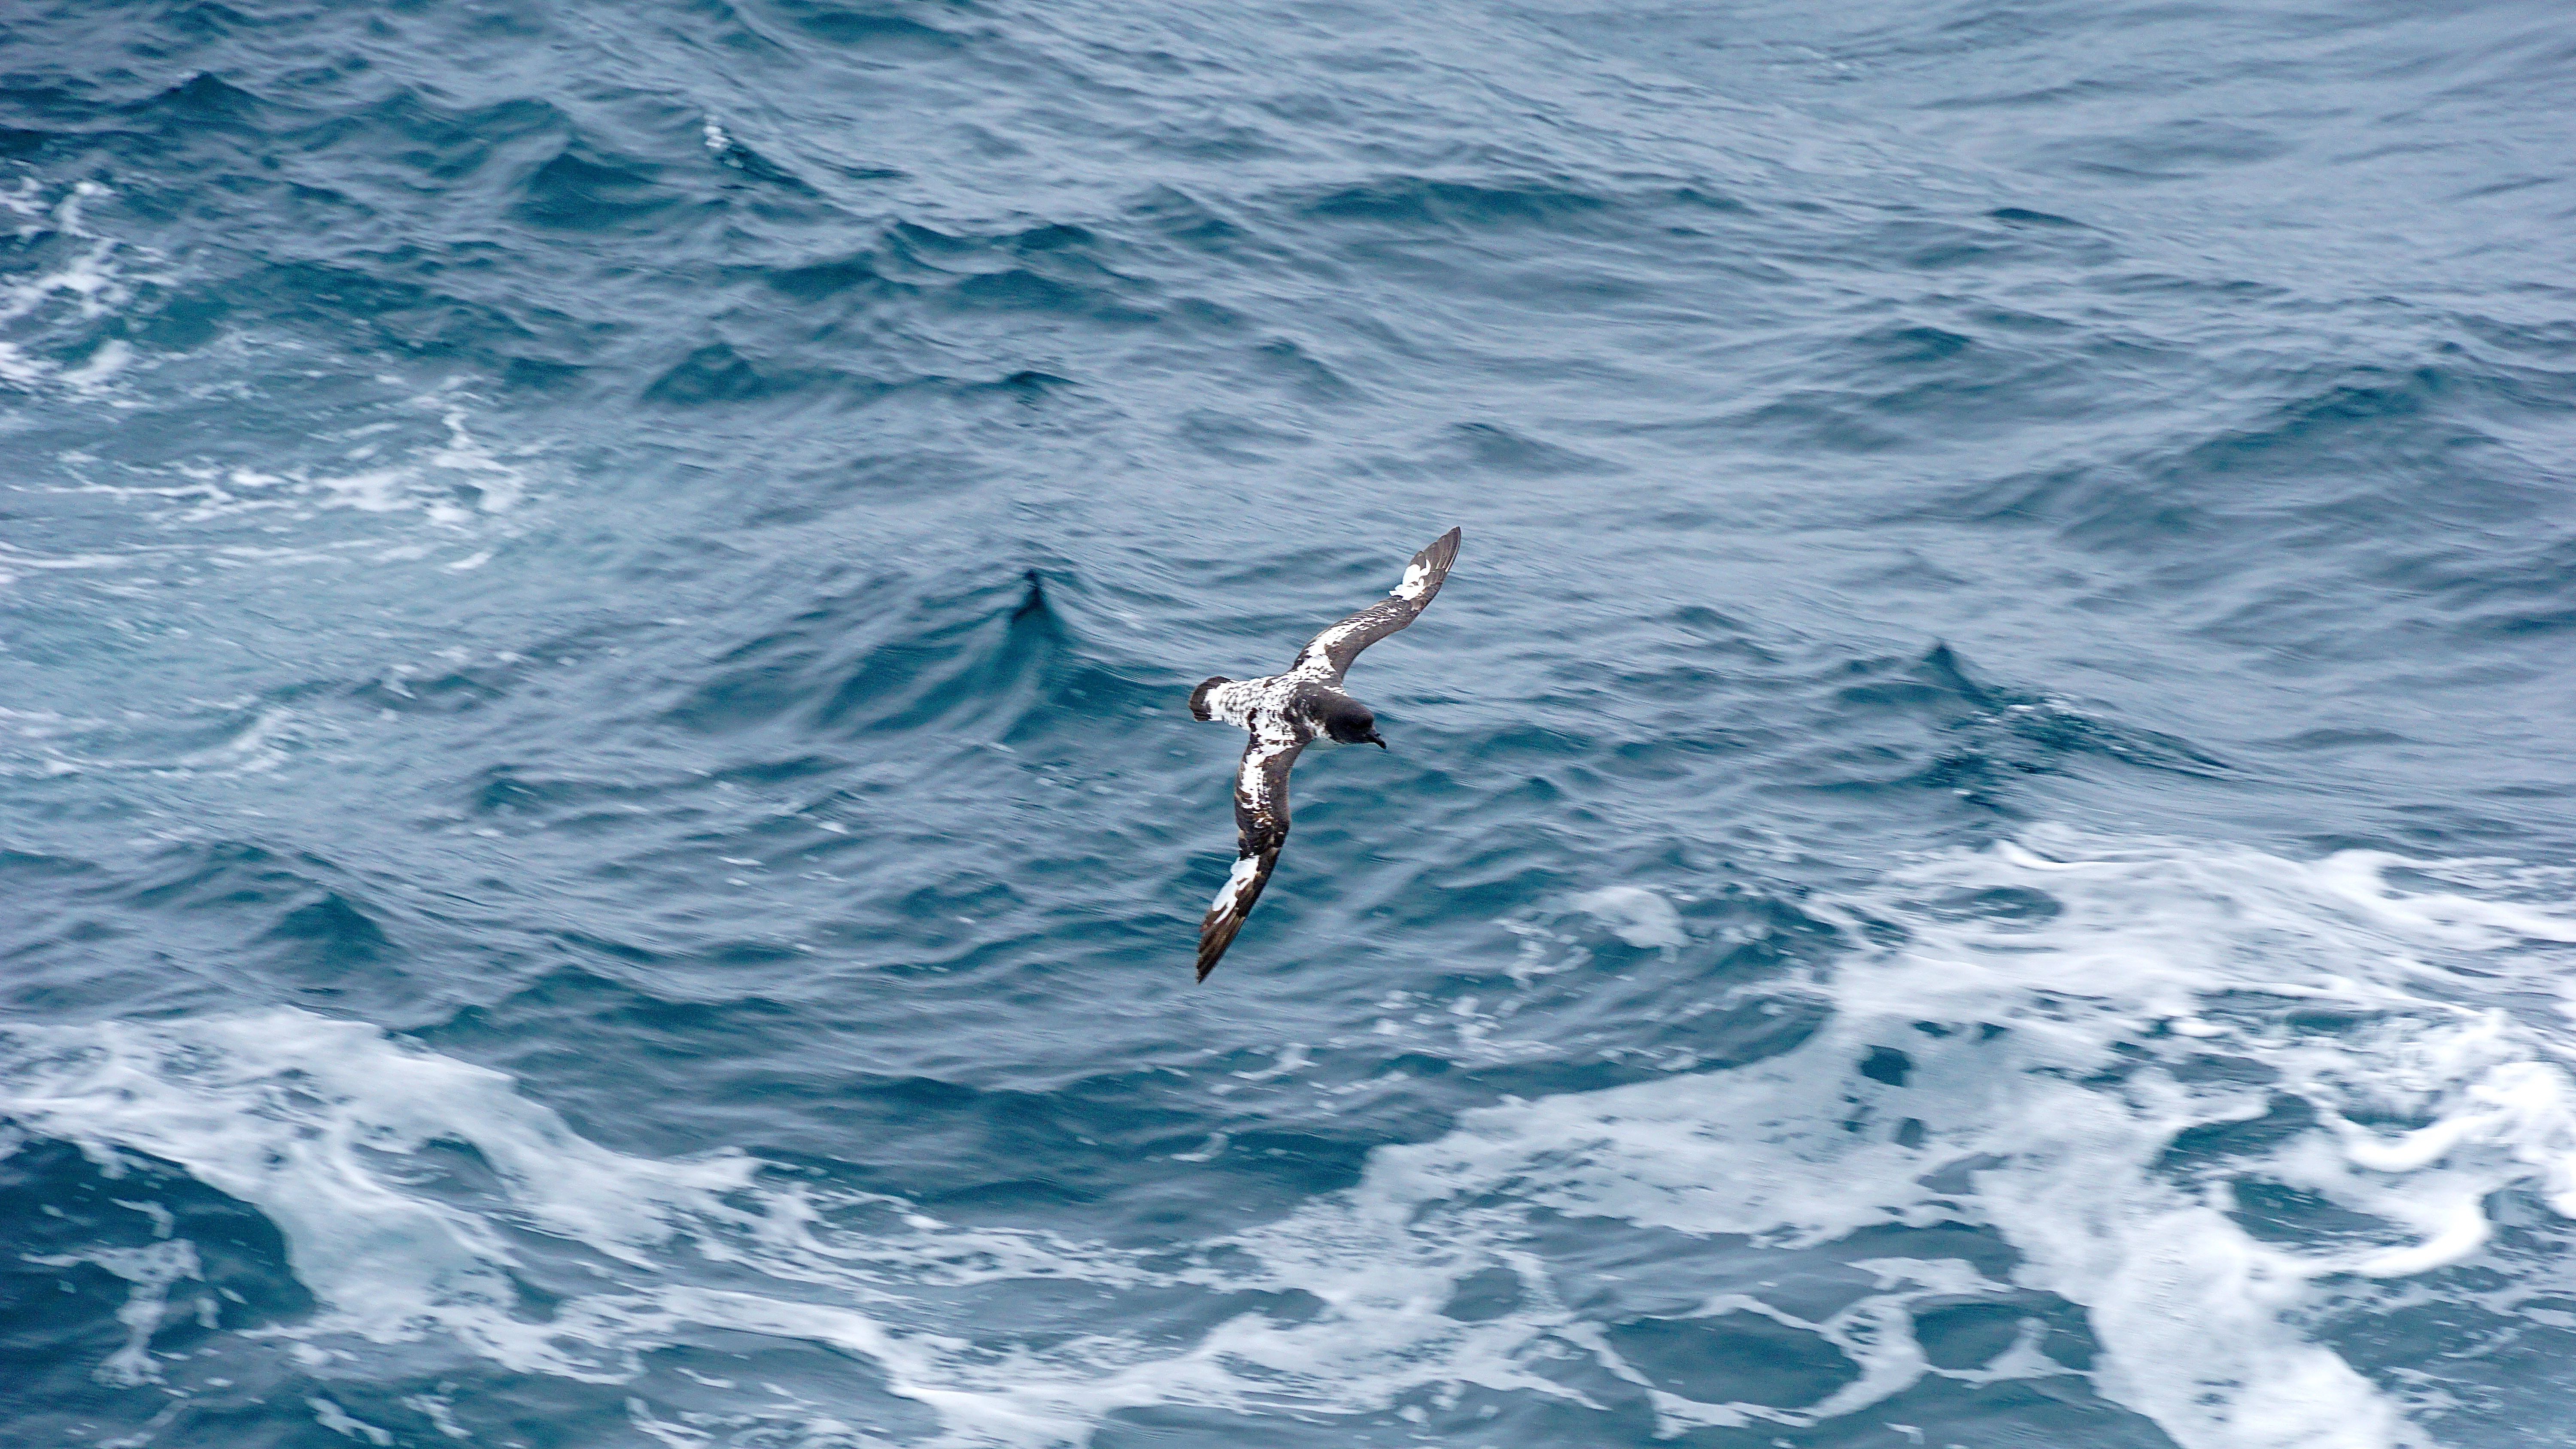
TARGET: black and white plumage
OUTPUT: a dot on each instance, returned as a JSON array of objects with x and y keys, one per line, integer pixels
[{"x": 1289, "y": 711}]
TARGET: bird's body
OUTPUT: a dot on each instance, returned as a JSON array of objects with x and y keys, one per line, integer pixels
[{"x": 1285, "y": 713}]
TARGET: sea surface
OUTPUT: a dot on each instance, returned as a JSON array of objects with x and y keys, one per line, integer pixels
[{"x": 601, "y": 842}]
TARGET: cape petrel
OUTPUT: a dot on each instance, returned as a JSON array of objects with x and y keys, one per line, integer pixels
[{"x": 1287, "y": 712}]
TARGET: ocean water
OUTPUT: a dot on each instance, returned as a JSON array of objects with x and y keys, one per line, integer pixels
[{"x": 600, "y": 841}]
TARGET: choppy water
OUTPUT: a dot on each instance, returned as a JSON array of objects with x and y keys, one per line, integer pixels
[{"x": 599, "y": 843}]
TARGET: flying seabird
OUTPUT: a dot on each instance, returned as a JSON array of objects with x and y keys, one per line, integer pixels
[{"x": 1287, "y": 712}]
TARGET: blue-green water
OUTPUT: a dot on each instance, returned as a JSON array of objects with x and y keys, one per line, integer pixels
[{"x": 600, "y": 842}]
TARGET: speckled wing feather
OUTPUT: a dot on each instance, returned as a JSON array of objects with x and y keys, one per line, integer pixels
[
  {"x": 1261, "y": 827},
  {"x": 1332, "y": 651}
]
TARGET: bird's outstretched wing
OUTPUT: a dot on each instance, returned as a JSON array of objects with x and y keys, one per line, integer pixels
[
  {"x": 1332, "y": 651},
  {"x": 1261, "y": 827}
]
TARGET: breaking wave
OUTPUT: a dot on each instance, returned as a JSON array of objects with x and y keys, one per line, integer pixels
[{"x": 2062, "y": 1085}]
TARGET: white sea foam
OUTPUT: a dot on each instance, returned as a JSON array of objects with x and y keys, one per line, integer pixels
[
  {"x": 148, "y": 1272},
  {"x": 14, "y": 559},
  {"x": 294, "y": 1114},
  {"x": 450, "y": 481},
  {"x": 2055, "y": 1001},
  {"x": 2052, "y": 1090},
  {"x": 1635, "y": 915},
  {"x": 348, "y": 1426},
  {"x": 92, "y": 281},
  {"x": 309, "y": 1120}
]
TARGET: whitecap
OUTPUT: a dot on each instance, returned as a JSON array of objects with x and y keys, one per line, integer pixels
[
  {"x": 1635, "y": 915},
  {"x": 2027, "y": 1069}
]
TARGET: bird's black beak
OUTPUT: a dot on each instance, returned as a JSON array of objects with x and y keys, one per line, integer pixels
[{"x": 1372, "y": 738}]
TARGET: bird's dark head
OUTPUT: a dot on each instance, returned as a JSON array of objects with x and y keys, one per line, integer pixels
[{"x": 1349, "y": 722}]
